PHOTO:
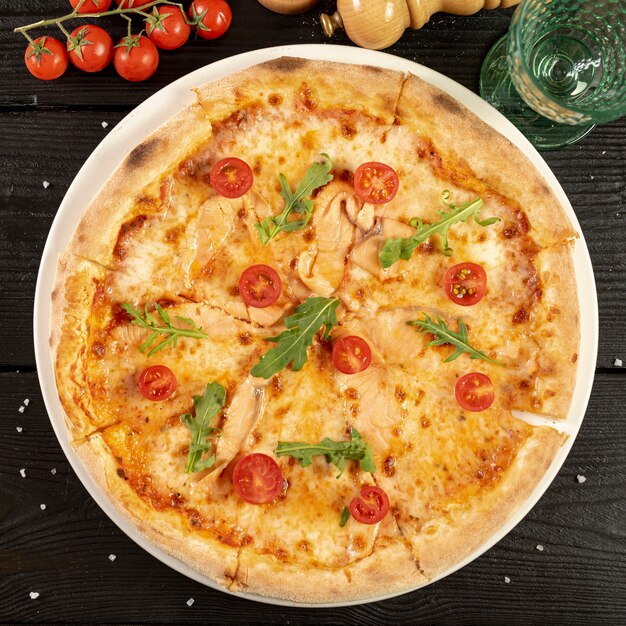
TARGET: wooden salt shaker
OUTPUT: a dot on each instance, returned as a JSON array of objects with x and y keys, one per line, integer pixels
[{"x": 377, "y": 24}]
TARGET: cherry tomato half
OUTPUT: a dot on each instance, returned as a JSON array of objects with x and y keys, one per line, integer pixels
[
  {"x": 370, "y": 506},
  {"x": 351, "y": 354},
  {"x": 46, "y": 58},
  {"x": 90, "y": 48},
  {"x": 375, "y": 182},
  {"x": 167, "y": 28},
  {"x": 465, "y": 283},
  {"x": 135, "y": 59},
  {"x": 91, "y": 6},
  {"x": 211, "y": 18},
  {"x": 474, "y": 391},
  {"x": 157, "y": 382},
  {"x": 231, "y": 177},
  {"x": 260, "y": 286},
  {"x": 257, "y": 478}
]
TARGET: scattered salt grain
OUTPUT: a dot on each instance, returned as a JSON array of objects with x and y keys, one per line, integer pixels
[
  {"x": 19, "y": 429},
  {"x": 23, "y": 473},
  {"x": 42, "y": 507},
  {"x": 618, "y": 363},
  {"x": 53, "y": 471},
  {"x": 507, "y": 580},
  {"x": 603, "y": 151},
  {"x": 26, "y": 402},
  {"x": 46, "y": 184},
  {"x": 105, "y": 124},
  {"x": 540, "y": 548},
  {"x": 112, "y": 557},
  {"x": 21, "y": 409},
  {"x": 580, "y": 478},
  {"x": 34, "y": 595},
  {"x": 190, "y": 601}
]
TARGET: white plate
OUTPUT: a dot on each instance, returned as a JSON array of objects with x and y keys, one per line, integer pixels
[{"x": 154, "y": 112}]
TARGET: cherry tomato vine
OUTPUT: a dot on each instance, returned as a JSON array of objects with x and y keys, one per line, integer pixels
[{"x": 135, "y": 57}]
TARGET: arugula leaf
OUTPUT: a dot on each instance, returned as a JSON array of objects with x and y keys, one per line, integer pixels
[
  {"x": 148, "y": 321},
  {"x": 335, "y": 452},
  {"x": 444, "y": 335},
  {"x": 298, "y": 202},
  {"x": 395, "y": 249},
  {"x": 292, "y": 346},
  {"x": 345, "y": 515},
  {"x": 206, "y": 406}
]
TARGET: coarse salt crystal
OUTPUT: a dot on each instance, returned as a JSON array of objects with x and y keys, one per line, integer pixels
[
  {"x": 21, "y": 409},
  {"x": 507, "y": 579},
  {"x": 23, "y": 473},
  {"x": 618, "y": 362},
  {"x": 42, "y": 507},
  {"x": 580, "y": 478},
  {"x": 46, "y": 184},
  {"x": 34, "y": 595},
  {"x": 540, "y": 548},
  {"x": 105, "y": 124},
  {"x": 53, "y": 470},
  {"x": 190, "y": 601},
  {"x": 112, "y": 557},
  {"x": 26, "y": 402},
  {"x": 19, "y": 429}
]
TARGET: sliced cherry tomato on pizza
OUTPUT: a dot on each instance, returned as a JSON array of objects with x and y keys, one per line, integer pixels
[
  {"x": 211, "y": 18},
  {"x": 90, "y": 48},
  {"x": 474, "y": 391},
  {"x": 231, "y": 177},
  {"x": 465, "y": 283},
  {"x": 91, "y": 6},
  {"x": 157, "y": 382},
  {"x": 167, "y": 27},
  {"x": 46, "y": 58},
  {"x": 257, "y": 478},
  {"x": 370, "y": 506},
  {"x": 260, "y": 286},
  {"x": 375, "y": 182},
  {"x": 351, "y": 354},
  {"x": 136, "y": 58}
]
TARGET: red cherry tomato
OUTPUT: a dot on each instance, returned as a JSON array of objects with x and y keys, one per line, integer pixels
[
  {"x": 131, "y": 4},
  {"x": 351, "y": 354},
  {"x": 211, "y": 18},
  {"x": 46, "y": 58},
  {"x": 474, "y": 391},
  {"x": 370, "y": 506},
  {"x": 135, "y": 59},
  {"x": 167, "y": 28},
  {"x": 375, "y": 182},
  {"x": 231, "y": 177},
  {"x": 259, "y": 286},
  {"x": 157, "y": 382},
  {"x": 90, "y": 48},
  {"x": 257, "y": 478},
  {"x": 465, "y": 283},
  {"x": 91, "y": 6}
]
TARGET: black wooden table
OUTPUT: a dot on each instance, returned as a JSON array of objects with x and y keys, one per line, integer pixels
[{"x": 55, "y": 541}]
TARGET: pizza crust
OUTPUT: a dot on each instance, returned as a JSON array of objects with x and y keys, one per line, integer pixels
[{"x": 164, "y": 529}]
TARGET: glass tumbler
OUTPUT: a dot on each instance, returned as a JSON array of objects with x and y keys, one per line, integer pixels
[{"x": 560, "y": 70}]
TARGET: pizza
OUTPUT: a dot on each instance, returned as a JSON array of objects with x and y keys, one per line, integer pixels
[{"x": 296, "y": 333}]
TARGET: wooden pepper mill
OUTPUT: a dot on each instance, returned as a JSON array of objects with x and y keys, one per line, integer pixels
[{"x": 377, "y": 24}]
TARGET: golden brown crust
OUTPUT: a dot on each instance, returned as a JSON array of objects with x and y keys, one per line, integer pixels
[
  {"x": 165, "y": 529},
  {"x": 314, "y": 84},
  {"x": 443, "y": 543},
  {"x": 98, "y": 229},
  {"x": 458, "y": 132}
]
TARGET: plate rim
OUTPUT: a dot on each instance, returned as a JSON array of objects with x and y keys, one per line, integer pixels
[{"x": 157, "y": 109}]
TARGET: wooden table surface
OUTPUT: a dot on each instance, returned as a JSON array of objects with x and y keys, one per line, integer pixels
[{"x": 47, "y": 130}]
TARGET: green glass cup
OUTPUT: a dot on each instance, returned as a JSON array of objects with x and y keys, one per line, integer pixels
[{"x": 560, "y": 70}]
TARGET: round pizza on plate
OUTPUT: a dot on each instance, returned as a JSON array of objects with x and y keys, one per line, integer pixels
[{"x": 290, "y": 332}]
